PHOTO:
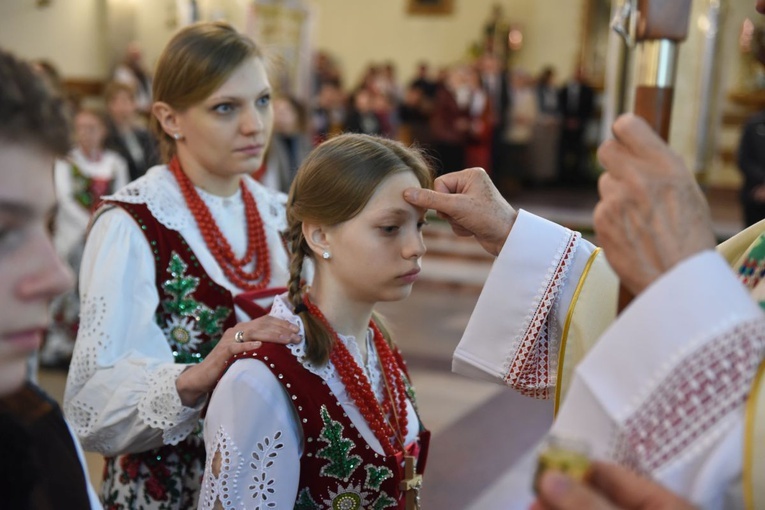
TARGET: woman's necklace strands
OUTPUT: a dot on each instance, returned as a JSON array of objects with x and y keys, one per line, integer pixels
[
  {"x": 358, "y": 387},
  {"x": 257, "y": 245}
]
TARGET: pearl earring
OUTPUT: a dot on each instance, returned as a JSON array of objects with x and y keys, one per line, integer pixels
[
  {"x": 325, "y": 255},
  {"x": 177, "y": 136}
]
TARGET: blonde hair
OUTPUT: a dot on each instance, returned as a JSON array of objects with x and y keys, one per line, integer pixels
[
  {"x": 195, "y": 63},
  {"x": 333, "y": 185}
]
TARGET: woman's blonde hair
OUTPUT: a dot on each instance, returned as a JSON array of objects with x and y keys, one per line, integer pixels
[
  {"x": 195, "y": 63},
  {"x": 333, "y": 185}
]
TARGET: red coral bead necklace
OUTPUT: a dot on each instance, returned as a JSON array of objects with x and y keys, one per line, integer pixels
[
  {"x": 257, "y": 245},
  {"x": 358, "y": 387}
]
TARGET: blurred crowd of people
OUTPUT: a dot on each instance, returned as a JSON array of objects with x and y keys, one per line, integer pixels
[
  {"x": 523, "y": 130},
  {"x": 111, "y": 147}
]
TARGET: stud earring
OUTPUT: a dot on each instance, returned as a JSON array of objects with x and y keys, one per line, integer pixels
[
  {"x": 326, "y": 255},
  {"x": 177, "y": 136}
]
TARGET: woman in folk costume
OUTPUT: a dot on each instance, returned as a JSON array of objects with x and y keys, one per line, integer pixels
[
  {"x": 342, "y": 430},
  {"x": 167, "y": 265},
  {"x": 89, "y": 172}
]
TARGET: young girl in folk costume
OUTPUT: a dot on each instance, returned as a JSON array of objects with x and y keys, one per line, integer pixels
[
  {"x": 87, "y": 173},
  {"x": 165, "y": 266},
  {"x": 341, "y": 429}
]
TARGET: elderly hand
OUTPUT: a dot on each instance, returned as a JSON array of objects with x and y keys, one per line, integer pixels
[
  {"x": 651, "y": 213},
  {"x": 471, "y": 204},
  {"x": 611, "y": 487},
  {"x": 198, "y": 380}
]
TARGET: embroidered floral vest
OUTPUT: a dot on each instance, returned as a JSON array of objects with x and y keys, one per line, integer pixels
[
  {"x": 338, "y": 469},
  {"x": 87, "y": 191},
  {"x": 193, "y": 311}
]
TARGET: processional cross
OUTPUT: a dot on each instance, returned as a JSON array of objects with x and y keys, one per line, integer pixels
[{"x": 654, "y": 29}]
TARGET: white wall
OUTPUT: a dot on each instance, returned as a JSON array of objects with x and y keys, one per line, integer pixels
[
  {"x": 361, "y": 31},
  {"x": 70, "y": 33}
]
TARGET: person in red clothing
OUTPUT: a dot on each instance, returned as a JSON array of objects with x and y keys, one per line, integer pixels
[{"x": 341, "y": 427}]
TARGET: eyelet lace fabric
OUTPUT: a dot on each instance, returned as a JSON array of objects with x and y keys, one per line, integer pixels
[
  {"x": 80, "y": 414},
  {"x": 100, "y": 421},
  {"x": 161, "y": 407},
  {"x": 222, "y": 486}
]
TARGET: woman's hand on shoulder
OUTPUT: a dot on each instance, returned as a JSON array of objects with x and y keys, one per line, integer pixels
[{"x": 198, "y": 380}]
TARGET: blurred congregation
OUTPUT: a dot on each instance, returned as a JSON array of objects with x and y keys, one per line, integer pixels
[
  {"x": 524, "y": 127},
  {"x": 527, "y": 130}
]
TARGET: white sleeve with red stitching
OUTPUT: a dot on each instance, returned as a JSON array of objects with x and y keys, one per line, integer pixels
[
  {"x": 514, "y": 333},
  {"x": 663, "y": 391}
]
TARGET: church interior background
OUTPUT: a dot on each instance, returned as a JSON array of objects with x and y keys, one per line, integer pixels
[{"x": 479, "y": 428}]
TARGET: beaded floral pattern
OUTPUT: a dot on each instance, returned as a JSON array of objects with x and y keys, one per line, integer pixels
[
  {"x": 87, "y": 191},
  {"x": 192, "y": 311},
  {"x": 186, "y": 319}
]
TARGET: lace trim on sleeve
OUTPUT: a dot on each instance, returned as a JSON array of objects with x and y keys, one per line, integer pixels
[
  {"x": 92, "y": 337},
  {"x": 161, "y": 406},
  {"x": 221, "y": 486},
  {"x": 692, "y": 401},
  {"x": 528, "y": 363}
]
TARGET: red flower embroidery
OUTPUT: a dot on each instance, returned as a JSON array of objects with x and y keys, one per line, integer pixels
[
  {"x": 131, "y": 465},
  {"x": 156, "y": 490}
]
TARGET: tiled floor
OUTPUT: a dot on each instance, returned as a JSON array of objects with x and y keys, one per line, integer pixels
[{"x": 479, "y": 429}]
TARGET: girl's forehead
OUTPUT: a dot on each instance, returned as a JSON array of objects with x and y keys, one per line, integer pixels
[{"x": 390, "y": 192}]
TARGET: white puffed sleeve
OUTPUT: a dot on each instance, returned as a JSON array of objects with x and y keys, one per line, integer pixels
[
  {"x": 253, "y": 457},
  {"x": 120, "y": 394}
]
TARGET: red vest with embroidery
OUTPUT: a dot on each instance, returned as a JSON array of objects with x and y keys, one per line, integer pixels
[
  {"x": 338, "y": 469},
  {"x": 193, "y": 311}
]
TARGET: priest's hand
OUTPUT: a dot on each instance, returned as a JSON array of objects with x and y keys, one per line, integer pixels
[
  {"x": 471, "y": 203},
  {"x": 652, "y": 214},
  {"x": 198, "y": 380},
  {"x": 610, "y": 487}
]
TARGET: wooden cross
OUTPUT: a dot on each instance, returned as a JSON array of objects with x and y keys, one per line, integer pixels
[{"x": 411, "y": 484}]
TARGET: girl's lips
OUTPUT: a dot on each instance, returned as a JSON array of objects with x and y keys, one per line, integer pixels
[{"x": 411, "y": 276}]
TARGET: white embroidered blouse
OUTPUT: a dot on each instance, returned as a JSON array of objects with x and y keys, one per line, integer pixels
[
  {"x": 252, "y": 424},
  {"x": 120, "y": 394}
]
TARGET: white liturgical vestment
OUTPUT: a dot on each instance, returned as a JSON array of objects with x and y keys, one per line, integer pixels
[{"x": 664, "y": 388}]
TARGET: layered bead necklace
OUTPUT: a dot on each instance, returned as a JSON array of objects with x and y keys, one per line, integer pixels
[
  {"x": 357, "y": 385},
  {"x": 257, "y": 245}
]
